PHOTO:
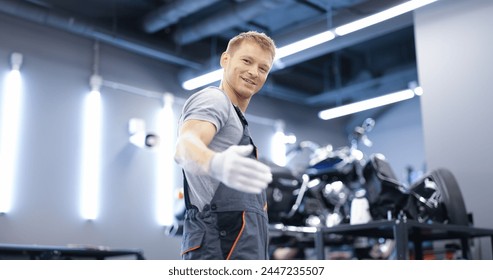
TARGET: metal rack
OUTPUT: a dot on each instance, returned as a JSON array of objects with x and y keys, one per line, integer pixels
[
  {"x": 401, "y": 230},
  {"x": 37, "y": 252}
]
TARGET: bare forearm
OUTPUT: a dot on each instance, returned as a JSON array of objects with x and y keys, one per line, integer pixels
[{"x": 192, "y": 154}]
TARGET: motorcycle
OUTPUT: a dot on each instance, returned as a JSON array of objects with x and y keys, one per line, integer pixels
[
  {"x": 322, "y": 194},
  {"x": 344, "y": 186}
]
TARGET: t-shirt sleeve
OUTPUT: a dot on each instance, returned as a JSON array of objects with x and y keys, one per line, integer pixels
[{"x": 210, "y": 105}]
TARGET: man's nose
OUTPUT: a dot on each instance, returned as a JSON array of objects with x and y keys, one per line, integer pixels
[{"x": 253, "y": 71}]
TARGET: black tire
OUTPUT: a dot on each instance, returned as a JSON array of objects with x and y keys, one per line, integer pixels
[{"x": 451, "y": 207}]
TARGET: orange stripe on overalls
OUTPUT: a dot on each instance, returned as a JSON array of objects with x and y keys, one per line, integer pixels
[{"x": 238, "y": 237}]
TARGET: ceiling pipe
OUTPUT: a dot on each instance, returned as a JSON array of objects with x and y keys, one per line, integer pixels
[
  {"x": 226, "y": 19},
  {"x": 67, "y": 23},
  {"x": 169, "y": 14}
]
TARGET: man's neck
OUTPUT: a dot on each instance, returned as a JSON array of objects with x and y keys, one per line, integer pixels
[{"x": 235, "y": 99}]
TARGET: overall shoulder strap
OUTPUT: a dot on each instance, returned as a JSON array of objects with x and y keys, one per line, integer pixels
[
  {"x": 188, "y": 204},
  {"x": 244, "y": 122}
]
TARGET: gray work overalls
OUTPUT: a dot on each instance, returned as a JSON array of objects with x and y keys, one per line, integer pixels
[{"x": 234, "y": 225}]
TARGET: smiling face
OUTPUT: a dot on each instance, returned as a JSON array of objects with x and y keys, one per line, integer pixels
[{"x": 245, "y": 71}]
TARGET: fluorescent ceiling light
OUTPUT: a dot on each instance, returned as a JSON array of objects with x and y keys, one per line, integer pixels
[
  {"x": 318, "y": 39},
  {"x": 304, "y": 44},
  {"x": 366, "y": 104},
  {"x": 381, "y": 16},
  {"x": 203, "y": 80}
]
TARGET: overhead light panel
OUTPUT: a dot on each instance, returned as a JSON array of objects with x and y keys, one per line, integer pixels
[
  {"x": 304, "y": 44},
  {"x": 366, "y": 104},
  {"x": 381, "y": 16},
  {"x": 203, "y": 80}
]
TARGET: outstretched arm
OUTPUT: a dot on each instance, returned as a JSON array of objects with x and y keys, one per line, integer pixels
[
  {"x": 233, "y": 167},
  {"x": 192, "y": 153}
]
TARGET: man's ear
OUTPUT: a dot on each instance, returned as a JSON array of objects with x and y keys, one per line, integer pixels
[{"x": 224, "y": 59}]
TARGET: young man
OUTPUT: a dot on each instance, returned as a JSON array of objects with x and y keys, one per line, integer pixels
[{"x": 226, "y": 215}]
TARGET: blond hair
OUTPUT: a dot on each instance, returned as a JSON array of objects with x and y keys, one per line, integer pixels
[{"x": 264, "y": 41}]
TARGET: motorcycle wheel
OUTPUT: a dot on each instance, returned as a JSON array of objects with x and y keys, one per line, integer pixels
[{"x": 439, "y": 197}]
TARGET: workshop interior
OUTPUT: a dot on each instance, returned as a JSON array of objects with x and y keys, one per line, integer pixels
[{"x": 375, "y": 121}]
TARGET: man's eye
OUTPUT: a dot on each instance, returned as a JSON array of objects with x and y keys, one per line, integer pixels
[{"x": 246, "y": 60}]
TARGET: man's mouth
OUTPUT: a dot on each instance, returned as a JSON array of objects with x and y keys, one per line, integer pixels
[{"x": 248, "y": 81}]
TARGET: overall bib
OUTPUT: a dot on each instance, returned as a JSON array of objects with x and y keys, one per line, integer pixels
[{"x": 234, "y": 225}]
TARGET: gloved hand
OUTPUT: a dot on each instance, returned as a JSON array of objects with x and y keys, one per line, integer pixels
[{"x": 236, "y": 170}]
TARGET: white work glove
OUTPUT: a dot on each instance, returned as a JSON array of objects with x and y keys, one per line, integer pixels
[{"x": 236, "y": 170}]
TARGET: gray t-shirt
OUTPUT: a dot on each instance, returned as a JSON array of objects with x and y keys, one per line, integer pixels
[{"x": 213, "y": 105}]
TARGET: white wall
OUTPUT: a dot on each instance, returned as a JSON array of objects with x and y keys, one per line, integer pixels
[{"x": 455, "y": 63}]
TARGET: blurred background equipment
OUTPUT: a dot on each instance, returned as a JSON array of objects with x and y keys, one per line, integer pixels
[
  {"x": 344, "y": 186},
  {"x": 140, "y": 137}
]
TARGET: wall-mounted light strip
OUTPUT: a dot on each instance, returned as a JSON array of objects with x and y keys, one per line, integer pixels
[
  {"x": 278, "y": 145},
  {"x": 367, "y": 104},
  {"x": 91, "y": 152},
  {"x": 10, "y": 123},
  {"x": 165, "y": 169},
  {"x": 318, "y": 39}
]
